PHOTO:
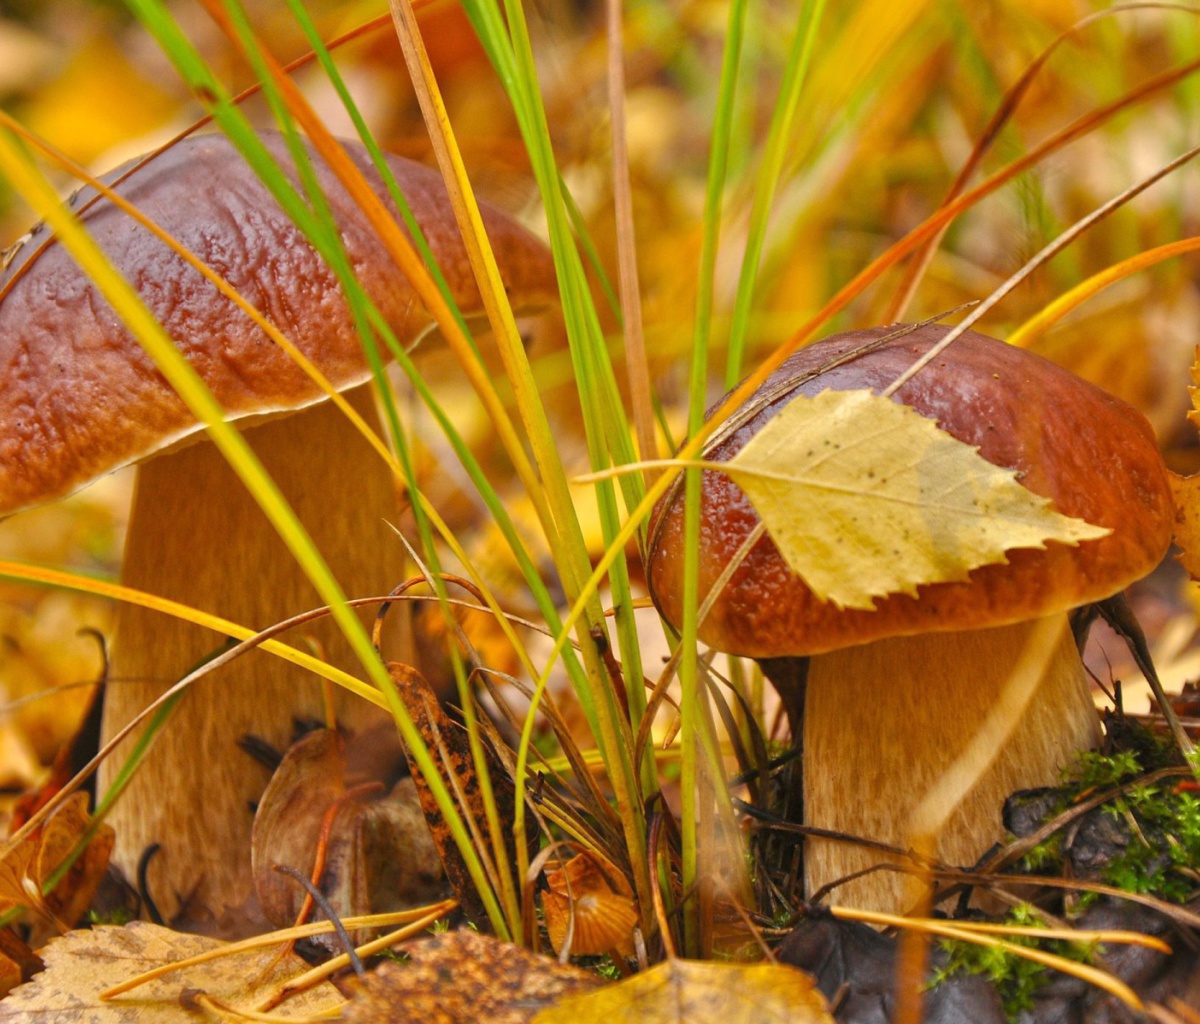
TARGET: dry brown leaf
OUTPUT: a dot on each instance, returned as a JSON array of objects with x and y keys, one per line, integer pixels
[
  {"x": 698, "y": 992},
  {"x": 890, "y": 501},
  {"x": 82, "y": 964},
  {"x": 60, "y": 835},
  {"x": 448, "y": 744},
  {"x": 379, "y": 857},
  {"x": 26, "y": 867},
  {"x": 463, "y": 977},
  {"x": 17, "y": 888}
]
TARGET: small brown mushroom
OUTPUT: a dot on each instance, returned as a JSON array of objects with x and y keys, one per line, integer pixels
[
  {"x": 81, "y": 398},
  {"x": 893, "y": 695}
]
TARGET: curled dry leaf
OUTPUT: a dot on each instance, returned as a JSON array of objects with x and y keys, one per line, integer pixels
[
  {"x": 64, "y": 830},
  {"x": 891, "y": 501},
  {"x": 26, "y": 867},
  {"x": 379, "y": 855},
  {"x": 600, "y": 899},
  {"x": 17, "y": 888},
  {"x": 82, "y": 964},
  {"x": 699, "y": 992},
  {"x": 462, "y": 978}
]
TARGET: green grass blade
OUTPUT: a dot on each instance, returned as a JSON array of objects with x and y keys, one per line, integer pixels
[{"x": 794, "y": 75}]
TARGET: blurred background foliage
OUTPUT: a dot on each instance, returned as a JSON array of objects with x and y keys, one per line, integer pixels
[{"x": 899, "y": 92}]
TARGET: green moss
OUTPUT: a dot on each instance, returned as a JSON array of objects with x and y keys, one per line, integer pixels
[
  {"x": 1016, "y": 978},
  {"x": 1159, "y": 823},
  {"x": 1155, "y": 850}
]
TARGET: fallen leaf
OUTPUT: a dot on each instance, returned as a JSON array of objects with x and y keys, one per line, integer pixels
[
  {"x": 463, "y": 977},
  {"x": 63, "y": 831},
  {"x": 699, "y": 993},
  {"x": 379, "y": 855},
  {"x": 17, "y": 888},
  {"x": 26, "y": 867},
  {"x": 451, "y": 751},
  {"x": 82, "y": 964},
  {"x": 865, "y": 497}
]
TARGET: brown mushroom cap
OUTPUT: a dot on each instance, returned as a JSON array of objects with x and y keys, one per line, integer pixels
[
  {"x": 81, "y": 397},
  {"x": 1094, "y": 456}
]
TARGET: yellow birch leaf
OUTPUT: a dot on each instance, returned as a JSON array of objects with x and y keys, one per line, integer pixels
[
  {"x": 699, "y": 993},
  {"x": 865, "y": 497}
]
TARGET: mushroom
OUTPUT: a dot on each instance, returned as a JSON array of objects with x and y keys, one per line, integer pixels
[
  {"x": 81, "y": 398},
  {"x": 893, "y": 695}
]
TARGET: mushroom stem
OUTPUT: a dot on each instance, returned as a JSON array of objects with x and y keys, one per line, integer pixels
[
  {"x": 197, "y": 536},
  {"x": 884, "y": 721}
]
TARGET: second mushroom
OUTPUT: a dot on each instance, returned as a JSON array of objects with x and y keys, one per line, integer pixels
[{"x": 890, "y": 697}]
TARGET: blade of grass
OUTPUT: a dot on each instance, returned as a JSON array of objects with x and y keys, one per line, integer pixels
[
  {"x": 1037, "y": 325},
  {"x": 631, "y": 300},
  {"x": 790, "y": 88},
  {"x": 636, "y": 366},
  {"x": 566, "y": 539},
  {"x": 24, "y": 573},
  {"x": 274, "y": 938},
  {"x": 696, "y": 937},
  {"x": 1101, "y": 979},
  {"x": 294, "y": 107},
  {"x": 1039, "y": 259}
]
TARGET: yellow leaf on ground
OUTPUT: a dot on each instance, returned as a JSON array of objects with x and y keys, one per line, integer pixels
[
  {"x": 865, "y": 497},
  {"x": 82, "y": 964},
  {"x": 699, "y": 993}
]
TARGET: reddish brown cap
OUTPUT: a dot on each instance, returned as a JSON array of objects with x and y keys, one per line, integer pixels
[
  {"x": 80, "y": 397},
  {"x": 1094, "y": 456}
]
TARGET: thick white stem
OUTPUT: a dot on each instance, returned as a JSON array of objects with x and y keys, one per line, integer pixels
[
  {"x": 884, "y": 721},
  {"x": 196, "y": 536}
]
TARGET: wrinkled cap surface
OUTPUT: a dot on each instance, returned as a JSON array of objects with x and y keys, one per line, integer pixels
[
  {"x": 80, "y": 397},
  {"x": 1092, "y": 455}
]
